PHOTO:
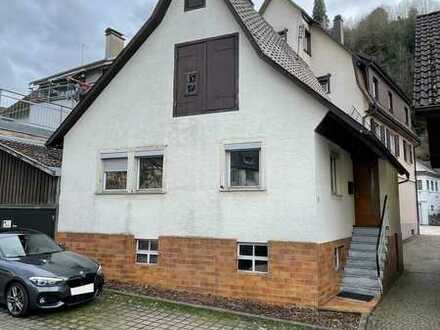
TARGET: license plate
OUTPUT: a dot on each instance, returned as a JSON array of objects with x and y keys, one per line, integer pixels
[{"x": 89, "y": 288}]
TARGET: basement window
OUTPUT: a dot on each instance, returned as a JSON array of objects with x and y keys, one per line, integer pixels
[
  {"x": 337, "y": 255},
  {"x": 252, "y": 257},
  {"x": 147, "y": 251},
  {"x": 115, "y": 171}
]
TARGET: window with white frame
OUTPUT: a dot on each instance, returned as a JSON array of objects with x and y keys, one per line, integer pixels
[
  {"x": 252, "y": 257},
  {"x": 147, "y": 251},
  {"x": 115, "y": 171},
  {"x": 419, "y": 184},
  {"x": 243, "y": 165},
  {"x": 150, "y": 170},
  {"x": 334, "y": 177}
]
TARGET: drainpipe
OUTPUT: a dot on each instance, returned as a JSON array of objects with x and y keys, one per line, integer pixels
[{"x": 417, "y": 192}]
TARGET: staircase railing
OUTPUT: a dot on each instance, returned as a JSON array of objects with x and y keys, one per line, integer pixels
[{"x": 382, "y": 239}]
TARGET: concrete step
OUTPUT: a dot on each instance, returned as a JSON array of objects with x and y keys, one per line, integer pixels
[
  {"x": 365, "y": 231},
  {"x": 368, "y": 292},
  {"x": 371, "y": 255},
  {"x": 364, "y": 239},
  {"x": 361, "y": 282},
  {"x": 362, "y": 263},
  {"x": 360, "y": 272},
  {"x": 363, "y": 247}
]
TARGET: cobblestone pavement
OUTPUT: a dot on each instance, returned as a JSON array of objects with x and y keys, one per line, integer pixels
[
  {"x": 115, "y": 311},
  {"x": 413, "y": 303}
]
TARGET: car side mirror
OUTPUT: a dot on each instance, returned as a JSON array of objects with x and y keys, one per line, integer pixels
[{"x": 62, "y": 245}]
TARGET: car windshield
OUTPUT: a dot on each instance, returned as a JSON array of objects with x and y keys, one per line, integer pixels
[{"x": 22, "y": 245}]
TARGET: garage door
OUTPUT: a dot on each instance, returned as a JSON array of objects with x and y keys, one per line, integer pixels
[{"x": 38, "y": 219}]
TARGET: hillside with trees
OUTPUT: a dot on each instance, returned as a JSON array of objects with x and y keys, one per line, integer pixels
[{"x": 387, "y": 35}]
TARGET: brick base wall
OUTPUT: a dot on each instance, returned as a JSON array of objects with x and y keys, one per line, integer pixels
[{"x": 299, "y": 273}]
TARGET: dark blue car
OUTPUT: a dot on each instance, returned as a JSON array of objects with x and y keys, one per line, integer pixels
[{"x": 36, "y": 273}]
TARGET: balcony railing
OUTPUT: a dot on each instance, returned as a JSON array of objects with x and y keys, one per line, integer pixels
[{"x": 31, "y": 110}]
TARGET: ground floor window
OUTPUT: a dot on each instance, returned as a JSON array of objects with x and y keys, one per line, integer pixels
[
  {"x": 147, "y": 251},
  {"x": 252, "y": 257}
]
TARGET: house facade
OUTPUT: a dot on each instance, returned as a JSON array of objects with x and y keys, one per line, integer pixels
[
  {"x": 428, "y": 181},
  {"x": 358, "y": 86},
  {"x": 210, "y": 159}
]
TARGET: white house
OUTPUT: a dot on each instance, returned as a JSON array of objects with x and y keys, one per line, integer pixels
[
  {"x": 358, "y": 86},
  {"x": 428, "y": 181},
  {"x": 210, "y": 159}
]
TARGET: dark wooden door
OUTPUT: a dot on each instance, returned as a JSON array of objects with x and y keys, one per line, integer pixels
[{"x": 367, "y": 199}]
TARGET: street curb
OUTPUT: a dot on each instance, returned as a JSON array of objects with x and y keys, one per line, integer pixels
[
  {"x": 363, "y": 322},
  {"x": 219, "y": 310}
]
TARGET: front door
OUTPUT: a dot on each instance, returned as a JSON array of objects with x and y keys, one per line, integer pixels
[{"x": 367, "y": 199}]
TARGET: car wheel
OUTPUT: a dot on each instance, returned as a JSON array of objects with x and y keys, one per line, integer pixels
[{"x": 17, "y": 300}]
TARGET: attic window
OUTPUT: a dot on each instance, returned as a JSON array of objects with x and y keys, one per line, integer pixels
[
  {"x": 283, "y": 34},
  {"x": 194, "y": 4},
  {"x": 325, "y": 83}
]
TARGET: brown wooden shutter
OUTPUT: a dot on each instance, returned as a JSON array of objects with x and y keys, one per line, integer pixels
[
  {"x": 222, "y": 74},
  {"x": 189, "y": 79}
]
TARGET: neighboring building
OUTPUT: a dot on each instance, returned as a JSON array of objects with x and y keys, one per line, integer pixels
[
  {"x": 29, "y": 181},
  {"x": 209, "y": 159},
  {"x": 428, "y": 182},
  {"x": 52, "y": 98},
  {"x": 358, "y": 86},
  {"x": 426, "y": 86},
  {"x": 30, "y": 172}
]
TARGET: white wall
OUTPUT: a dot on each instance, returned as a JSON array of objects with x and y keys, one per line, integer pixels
[
  {"x": 429, "y": 200},
  {"x": 136, "y": 110}
]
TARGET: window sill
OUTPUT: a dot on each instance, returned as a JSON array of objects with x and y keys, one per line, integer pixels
[
  {"x": 244, "y": 189},
  {"x": 337, "y": 196},
  {"x": 140, "y": 264},
  {"x": 128, "y": 193},
  {"x": 244, "y": 272}
]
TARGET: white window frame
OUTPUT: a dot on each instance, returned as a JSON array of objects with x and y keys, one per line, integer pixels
[
  {"x": 253, "y": 258},
  {"x": 336, "y": 189},
  {"x": 231, "y": 147},
  {"x": 109, "y": 156},
  {"x": 148, "y": 252},
  {"x": 145, "y": 154}
]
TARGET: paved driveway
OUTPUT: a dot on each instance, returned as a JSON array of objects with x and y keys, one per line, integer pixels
[
  {"x": 413, "y": 303},
  {"x": 115, "y": 311}
]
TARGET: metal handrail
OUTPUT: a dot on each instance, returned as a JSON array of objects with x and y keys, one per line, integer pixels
[{"x": 381, "y": 242}]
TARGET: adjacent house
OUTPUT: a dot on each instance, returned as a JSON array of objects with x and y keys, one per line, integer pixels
[
  {"x": 357, "y": 85},
  {"x": 29, "y": 181},
  {"x": 426, "y": 86},
  {"x": 428, "y": 181},
  {"x": 209, "y": 158}
]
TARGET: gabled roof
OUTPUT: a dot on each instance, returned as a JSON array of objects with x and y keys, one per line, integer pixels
[
  {"x": 269, "y": 46},
  {"x": 34, "y": 153},
  {"x": 427, "y": 62}
]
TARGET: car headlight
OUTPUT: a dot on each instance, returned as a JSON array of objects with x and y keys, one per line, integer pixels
[
  {"x": 99, "y": 271},
  {"x": 47, "y": 281}
]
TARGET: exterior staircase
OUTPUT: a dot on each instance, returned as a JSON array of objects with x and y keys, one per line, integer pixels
[{"x": 361, "y": 276}]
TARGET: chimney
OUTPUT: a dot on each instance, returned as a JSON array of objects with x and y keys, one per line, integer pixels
[
  {"x": 114, "y": 43},
  {"x": 338, "y": 29}
]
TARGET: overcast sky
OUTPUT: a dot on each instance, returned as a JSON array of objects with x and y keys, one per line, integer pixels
[{"x": 42, "y": 37}]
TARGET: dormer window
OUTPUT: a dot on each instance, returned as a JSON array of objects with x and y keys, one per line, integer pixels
[
  {"x": 307, "y": 42},
  {"x": 325, "y": 83},
  {"x": 194, "y": 4},
  {"x": 283, "y": 34}
]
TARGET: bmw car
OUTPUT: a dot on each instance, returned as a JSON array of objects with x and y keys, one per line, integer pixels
[{"x": 37, "y": 273}]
